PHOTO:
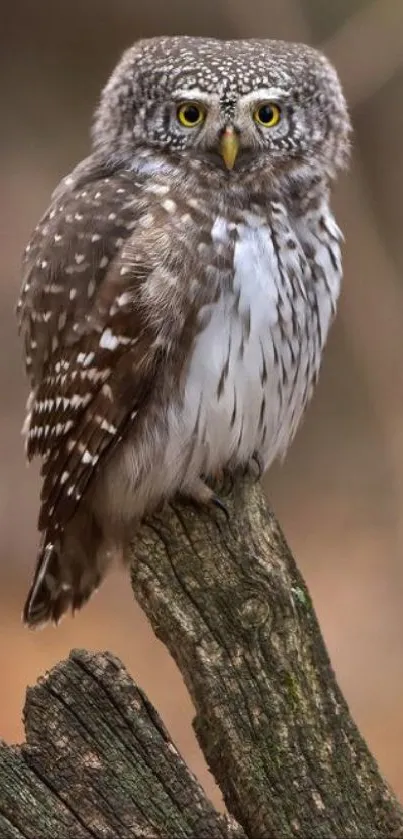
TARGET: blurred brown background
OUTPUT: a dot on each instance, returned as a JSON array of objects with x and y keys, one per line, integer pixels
[{"x": 339, "y": 496}]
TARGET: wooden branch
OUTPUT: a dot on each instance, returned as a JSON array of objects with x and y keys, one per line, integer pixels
[
  {"x": 228, "y": 601},
  {"x": 98, "y": 762}
]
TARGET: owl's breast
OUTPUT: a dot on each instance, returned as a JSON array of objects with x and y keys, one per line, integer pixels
[{"x": 257, "y": 355}]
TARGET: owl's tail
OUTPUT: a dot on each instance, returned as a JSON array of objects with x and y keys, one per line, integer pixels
[{"x": 69, "y": 570}]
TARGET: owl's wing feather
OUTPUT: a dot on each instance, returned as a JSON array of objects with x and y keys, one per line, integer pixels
[
  {"x": 67, "y": 259},
  {"x": 93, "y": 350},
  {"x": 69, "y": 466}
]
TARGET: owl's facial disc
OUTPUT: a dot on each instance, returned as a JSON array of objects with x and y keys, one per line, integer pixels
[
  {"x": 229, "y": 128},
  {"x": 241, "y": 107}
]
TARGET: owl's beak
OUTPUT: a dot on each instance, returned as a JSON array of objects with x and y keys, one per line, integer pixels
[{"x": 229, "y": 147}]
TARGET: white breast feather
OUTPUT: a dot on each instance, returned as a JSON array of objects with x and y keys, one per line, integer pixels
[
  {"x": 264, "y": 293},
  {"x": 273, "y": 285}
]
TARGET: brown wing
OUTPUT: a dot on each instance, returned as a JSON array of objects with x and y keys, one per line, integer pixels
[
  {"x": 67, "y": 259},
  {"x": 92, "y": 346}
]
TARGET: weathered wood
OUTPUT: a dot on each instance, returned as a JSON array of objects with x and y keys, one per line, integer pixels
[
  {"x": 98, "y": 762},
  {"x": 228, "y": 601}
]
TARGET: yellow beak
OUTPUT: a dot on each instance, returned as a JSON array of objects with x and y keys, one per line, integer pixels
[{"x": 229, "y": 147}]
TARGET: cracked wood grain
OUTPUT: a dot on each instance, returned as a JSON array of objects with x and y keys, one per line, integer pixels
[
  {"x": 98, "y": 762},
  {"x": 228, "y": 601}
]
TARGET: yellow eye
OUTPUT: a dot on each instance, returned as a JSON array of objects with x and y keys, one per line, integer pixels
[
  {"x": 190, "y": 114},
  {"x": 267, "y": 114}
]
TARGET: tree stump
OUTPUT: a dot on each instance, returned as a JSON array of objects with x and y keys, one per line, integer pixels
[{"x": 226, "y": 598}]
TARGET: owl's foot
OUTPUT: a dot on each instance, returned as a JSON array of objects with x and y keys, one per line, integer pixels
[
  {"x": 255, "y": 467},
  {"x": 200, "y": 493},
  {"x": 223, "y": 481},
  {"x": 220, "y": 504}
]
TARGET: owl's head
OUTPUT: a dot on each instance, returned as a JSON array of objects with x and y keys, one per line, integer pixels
[{"x": 236, "y": 105}]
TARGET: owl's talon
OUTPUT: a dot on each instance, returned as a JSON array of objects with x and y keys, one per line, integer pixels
[
  {"x": 225, "y": 482},
  {"x": 221, "y": 506},
  {"x": 254, "y": 467},
  {"x": 258, "y": 462}
]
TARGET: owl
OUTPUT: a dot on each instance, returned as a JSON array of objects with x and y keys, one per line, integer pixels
[{"x": 178, "y": 292}]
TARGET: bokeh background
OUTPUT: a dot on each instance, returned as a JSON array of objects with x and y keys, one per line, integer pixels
[{"x": 339, "y": 495}]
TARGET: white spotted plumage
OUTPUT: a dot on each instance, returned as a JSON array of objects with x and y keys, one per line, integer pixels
[{"x": 174, "y": 311}]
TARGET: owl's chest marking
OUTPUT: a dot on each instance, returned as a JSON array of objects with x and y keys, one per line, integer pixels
[{"x": 253, "y": 363}]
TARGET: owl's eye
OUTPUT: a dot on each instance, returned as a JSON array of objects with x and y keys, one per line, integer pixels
[
  {"x": 190, "y": 114},
  {"x": 267, "y": 114}
]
